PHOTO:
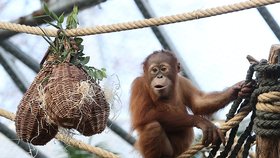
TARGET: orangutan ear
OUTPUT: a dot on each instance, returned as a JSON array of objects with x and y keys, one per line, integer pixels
[{"x": 178, "y": 67}]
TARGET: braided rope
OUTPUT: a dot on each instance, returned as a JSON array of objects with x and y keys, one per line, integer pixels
[
  {"x": 68, "y": 140},
  {"x": 141, "y": 23},
  {"x": 268, "y": 103},
  {"x": 268, "y": 97},
  {"x": 268, "y": 116},
  {"x": 81, "y": 145},
  {"x": 7, "y": 114},
  {"x": 224, "y": 127},
  {"x": 267, "y": 107}
]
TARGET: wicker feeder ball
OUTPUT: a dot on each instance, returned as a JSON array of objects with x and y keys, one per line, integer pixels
[
  {"x": 75, "y": 101},
  {"x": 98, "y": 115},
  {"x": 32, "y": 123}
]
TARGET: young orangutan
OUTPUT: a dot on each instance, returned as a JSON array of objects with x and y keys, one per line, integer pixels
[{"x": 158, "y": 108}]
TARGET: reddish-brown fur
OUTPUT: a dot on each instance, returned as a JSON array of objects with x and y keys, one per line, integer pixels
[{"x": 164, "y": 126}]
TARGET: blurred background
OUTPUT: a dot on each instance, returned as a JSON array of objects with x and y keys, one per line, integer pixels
[{"x": 212, "y": 52}]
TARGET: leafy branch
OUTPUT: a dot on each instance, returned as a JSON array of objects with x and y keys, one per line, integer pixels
[{"x": 65, "y": 48}]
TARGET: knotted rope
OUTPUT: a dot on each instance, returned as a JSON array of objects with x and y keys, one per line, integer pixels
[
  {"x": 68, "y": 140},
  {"x": 267, "y": 121},
  {"x": 265, "y": 105},
  {"x": 224, "y": 128},
  {"x": 141, "y": 23},
  {"x": 232, "y": 122}
]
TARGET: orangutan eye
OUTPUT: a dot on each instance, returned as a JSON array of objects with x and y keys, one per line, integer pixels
[
  {"x": 163, "y": 69},
  {"x": 154, "y": 70}
]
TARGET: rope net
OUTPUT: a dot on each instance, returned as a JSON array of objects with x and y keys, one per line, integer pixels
[{"x": 140, "y": 23}]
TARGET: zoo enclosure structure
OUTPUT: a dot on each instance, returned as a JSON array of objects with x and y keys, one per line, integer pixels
[{"x": 151, "y": 22}]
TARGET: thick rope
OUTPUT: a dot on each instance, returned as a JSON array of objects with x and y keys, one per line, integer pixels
[
  {"x": 79, "y": 144},
  {"x": 237, "y": 105},
  {"x": 242, "y": 138},
  {"x": 68, "y": 140},
  {"x": 141, "y": 23},
  {"x": 268, "y": 103},
  {"x": 224, "y": 127},
  {"x": 232, "y": 122}
]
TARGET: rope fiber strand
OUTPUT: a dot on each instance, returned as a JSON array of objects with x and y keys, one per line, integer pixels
[
  {"x": 202, "y": 13},
  {"x": 68, "y": 140}
]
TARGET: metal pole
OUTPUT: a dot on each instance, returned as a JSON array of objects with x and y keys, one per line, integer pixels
[
  {"x": 270, "y": 21},
  {"x": 163, "y": 38},
  {"x": 26, "y": 147}
]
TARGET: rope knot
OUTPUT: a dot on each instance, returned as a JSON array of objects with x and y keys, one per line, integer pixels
[{"x": 267, "y": 99}]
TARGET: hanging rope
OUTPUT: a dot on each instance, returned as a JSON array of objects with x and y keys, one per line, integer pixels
[
  {"x": 68, "y": 140},
  {"x": 140, "y": 23},
  {"x": 232, "y": 122},
  {"x": 238, "y": 104},
  {"x": 224, "y": 127},
  {"x": 265, "y": 105}
]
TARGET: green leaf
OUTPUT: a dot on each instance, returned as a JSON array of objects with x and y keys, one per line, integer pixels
[
  {"x": 54, "y": 25},
  {"x": 103, "y": 73},
  {"x": 81, "y": 48},
  {"x": 71, "y": 24},
  {"x": 72, "y": 19},
  {"x": 99, "y": 75},
  {"x": 64, "y": 55},
  {"x": 46, "y": 9},
  {"x": 86, "y": 68},
  {"x": 92, "y": 73},
  {"x": 48, "y": 39},
  {"x": 75, "y": 10},
  {"x": 85, "y": 60},
  {"x": 78, "y": 40},
  {"x": 61, "y": 18},
  {"x": 80, "y": 53},
  {"x": 40, "y": 16},
  {"x": 54, "y": 16}
]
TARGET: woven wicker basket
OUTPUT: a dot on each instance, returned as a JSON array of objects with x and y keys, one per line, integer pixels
[
  {"x": 62, "y": 94},
  {"x": 32, "y": 124},
  {"x": 73, "y": 100}
]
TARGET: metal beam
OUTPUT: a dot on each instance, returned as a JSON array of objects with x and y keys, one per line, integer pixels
[
  {"x": 122, "y": 133},
  {"x": 22, "y": 56},
  {"x": 163, "y": 37},
  {"x": 270, "y": 21},
  {"x": 147, "y": 14},
  {"x": 26, "y": 147},
  {"x": 13, "y": 72},
  {"x": 58, "y": 8}
]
